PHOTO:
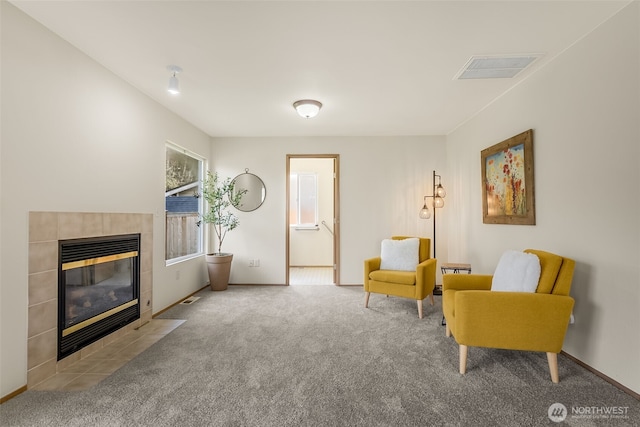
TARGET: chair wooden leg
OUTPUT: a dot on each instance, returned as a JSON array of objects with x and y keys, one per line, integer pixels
[
  {"x": 366, "y": 299},
  {"x": 420, "y": 308},
  {"x": 463, "y": 358},
  {"x": 552, "y": 358},
  {"x": 431, "y": 298},
  {"x": 447, "y": 330}
]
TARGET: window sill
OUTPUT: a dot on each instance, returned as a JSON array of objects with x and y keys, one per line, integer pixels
[
  {"x": 306, "y": 228},
  {"x": 174, "y": 261}
]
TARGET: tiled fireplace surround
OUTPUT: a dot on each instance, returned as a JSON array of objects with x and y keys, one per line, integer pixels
[{"x": 45, "y": 229}]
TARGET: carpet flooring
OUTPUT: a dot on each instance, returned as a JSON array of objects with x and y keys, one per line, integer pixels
[{"x": 314, "y": 356}]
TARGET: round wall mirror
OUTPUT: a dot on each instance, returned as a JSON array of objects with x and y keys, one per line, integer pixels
[{"x": 255, "y": 191}]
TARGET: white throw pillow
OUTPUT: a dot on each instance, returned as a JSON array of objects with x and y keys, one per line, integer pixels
[
  {"x": 516, "y": 272},
  {"x": 400, "y": 254}
]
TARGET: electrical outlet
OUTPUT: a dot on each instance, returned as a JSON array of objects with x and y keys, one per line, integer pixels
[
  {"x": 257, "y": 263},
  {"x": 251, "y": 263}
]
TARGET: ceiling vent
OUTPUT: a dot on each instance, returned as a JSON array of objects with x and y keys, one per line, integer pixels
[{"x": 495, "y": 67}]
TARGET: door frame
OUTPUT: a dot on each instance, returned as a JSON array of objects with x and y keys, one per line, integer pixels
[{"x": 336, "y": 211}]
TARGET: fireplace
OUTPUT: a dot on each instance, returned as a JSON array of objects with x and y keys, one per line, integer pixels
[{"x": 98, "y": 289}]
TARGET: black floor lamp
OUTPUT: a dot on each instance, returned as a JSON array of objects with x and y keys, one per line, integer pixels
[{"x": 438, "y": 202}]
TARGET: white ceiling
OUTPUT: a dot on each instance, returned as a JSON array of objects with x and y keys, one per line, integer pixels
[{"x": 379, "y": 68}]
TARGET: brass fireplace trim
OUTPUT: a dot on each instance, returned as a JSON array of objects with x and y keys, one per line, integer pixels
[
  {"x": 98, "y": 260},
  {"x": 98, "y": 318}
]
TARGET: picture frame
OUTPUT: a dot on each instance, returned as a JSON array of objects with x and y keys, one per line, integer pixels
[{"x": 508, "y": 195}]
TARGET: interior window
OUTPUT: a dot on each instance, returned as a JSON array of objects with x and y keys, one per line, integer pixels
[
  {"x": 303, "y": 206},
  {"x": 183, "y": 204}
]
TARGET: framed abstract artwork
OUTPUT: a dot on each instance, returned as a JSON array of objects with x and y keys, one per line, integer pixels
[{"x": 507, "y": 181}]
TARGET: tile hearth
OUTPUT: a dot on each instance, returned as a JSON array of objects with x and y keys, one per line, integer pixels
[{"x": 87, "y": 372}]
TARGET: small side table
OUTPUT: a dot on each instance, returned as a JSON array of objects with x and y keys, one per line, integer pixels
[
  {"x": 451, "y": 268},
  {"x": 454, "y": 268}
]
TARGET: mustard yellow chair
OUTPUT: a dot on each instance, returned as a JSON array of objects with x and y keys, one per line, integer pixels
[
  {"x": 417, "y": 284},
  {"x": 524, "y": 321}
]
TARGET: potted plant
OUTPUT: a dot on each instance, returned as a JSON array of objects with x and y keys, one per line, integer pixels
[{"x": 220, "y": 196}]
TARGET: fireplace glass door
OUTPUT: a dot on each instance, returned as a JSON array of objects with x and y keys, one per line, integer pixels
[{"x": 99, "y": 287}]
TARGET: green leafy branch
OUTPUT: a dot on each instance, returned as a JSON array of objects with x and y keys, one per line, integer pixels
[{"x": 220, "y": 195}]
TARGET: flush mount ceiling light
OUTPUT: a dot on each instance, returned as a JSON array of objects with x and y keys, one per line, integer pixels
[
  {"x": 495, "y": 66},
  {"x": 174, "y": 85},
  {"x": 307, "y": 108}
]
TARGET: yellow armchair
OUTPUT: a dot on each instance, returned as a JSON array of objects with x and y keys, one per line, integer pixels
[
  {"x": 538, "y": 321},
  {"x": 416, "y": 285}
]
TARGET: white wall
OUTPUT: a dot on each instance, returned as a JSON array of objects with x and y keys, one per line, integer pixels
[
  {"x": 75, "y": 138},
  {"x": 382, "y": 182},
  {"x": 584, "y": 110}
]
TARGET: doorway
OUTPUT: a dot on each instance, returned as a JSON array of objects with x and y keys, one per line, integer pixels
[{"x": 312, "y": 219}]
